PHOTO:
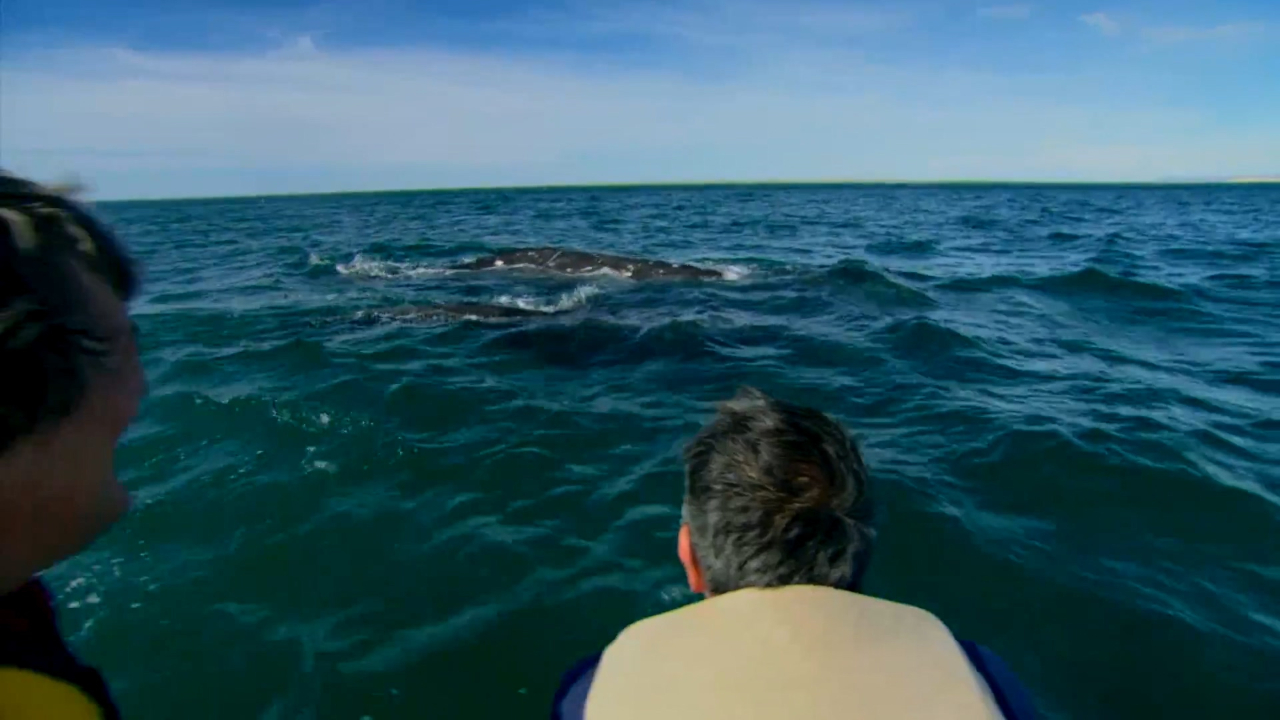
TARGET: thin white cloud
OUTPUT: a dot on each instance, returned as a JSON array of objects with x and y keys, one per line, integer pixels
[
  {"x": 749, "y": 25},
  {"x": 1224, "y": 32},
  {"x": 1102, "y": 22},
  {"x": 1006, "y": 12},
  {"x": 306, "y": 117}
]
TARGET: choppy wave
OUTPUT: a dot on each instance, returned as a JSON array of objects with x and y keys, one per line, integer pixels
[
  {"x": 1089, "y": 281},
  {"x": 1064, "y": 236},
  {"x": 983, "y": 283},
  {"x": 576, "y": 298},
  {"x": 973, "y": 221},
  {"x": 600, "y": 344},
  {"x": 1094, "y": 281},
  {"x": 876, "y": 284},
  {"x": 928, "y": 338}
]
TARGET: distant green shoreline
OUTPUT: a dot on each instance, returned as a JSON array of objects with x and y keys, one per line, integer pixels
[{"x": 727, "y": 184}]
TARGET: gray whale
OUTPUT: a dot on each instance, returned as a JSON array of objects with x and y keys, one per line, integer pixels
[{"x": 576, "y": 262}]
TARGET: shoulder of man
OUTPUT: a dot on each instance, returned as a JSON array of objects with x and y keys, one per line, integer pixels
[
  {"x": 39, "y": 676},
  {"x": 570, "y": 701}
]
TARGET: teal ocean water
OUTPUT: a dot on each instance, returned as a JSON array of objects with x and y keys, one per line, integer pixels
[{"x": 1069, "y": 398}]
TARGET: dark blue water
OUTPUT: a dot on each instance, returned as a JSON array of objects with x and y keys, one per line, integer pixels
[{"x": 1069, "y": 398}]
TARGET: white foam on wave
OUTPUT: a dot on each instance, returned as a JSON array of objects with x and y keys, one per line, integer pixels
[
  {"x": 315, "y": 259},
  {"x": 731, "y": 272},
  {"x": 361, "y": 266},
  {"x": 322, "y": 466},
  {"x": 566, "y": 301}
]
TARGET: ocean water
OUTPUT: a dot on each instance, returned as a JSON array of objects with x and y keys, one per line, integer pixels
[{"x": 1069, "y": 398}]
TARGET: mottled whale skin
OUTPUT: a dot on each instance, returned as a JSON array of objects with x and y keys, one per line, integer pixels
[
  {"x": 576, "y": 262},
  {"x": 449, "y": 311}
]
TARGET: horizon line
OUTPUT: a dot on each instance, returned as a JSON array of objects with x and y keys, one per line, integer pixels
[{"x": 1247, "y": 180}]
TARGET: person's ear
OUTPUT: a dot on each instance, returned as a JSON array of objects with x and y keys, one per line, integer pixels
[{"x": 692, "y": 570}]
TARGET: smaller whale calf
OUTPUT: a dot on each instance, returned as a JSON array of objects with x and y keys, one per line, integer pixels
[
  {"x": 449, "y": 311},
  {"x": 577, "y": 262}
]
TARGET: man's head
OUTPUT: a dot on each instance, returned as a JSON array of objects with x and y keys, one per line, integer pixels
[
  {"x": 70, "y": 379},
  {"x": 775, "y": 494}
]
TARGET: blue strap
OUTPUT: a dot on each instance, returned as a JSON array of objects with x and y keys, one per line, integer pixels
[
  {"x": 1012, "y": 697},
  {"x": 570, "y": 702}
]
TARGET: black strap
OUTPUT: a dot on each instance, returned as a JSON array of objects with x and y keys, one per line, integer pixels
[{"x": 30, "y": 640}]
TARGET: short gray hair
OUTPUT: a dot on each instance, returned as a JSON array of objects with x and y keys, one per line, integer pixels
[{"x": 776, "y": 494}]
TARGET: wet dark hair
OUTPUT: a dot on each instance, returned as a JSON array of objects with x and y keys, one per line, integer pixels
[
  {"x": 776, "y": 494},
  {"x": 48, "y": 345}
]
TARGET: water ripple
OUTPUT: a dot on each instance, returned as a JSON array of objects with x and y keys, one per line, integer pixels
[{"x": 1067, "y": 397}]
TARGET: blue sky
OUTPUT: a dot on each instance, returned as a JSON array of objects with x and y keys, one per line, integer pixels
[{"x": 183, "y": 98}]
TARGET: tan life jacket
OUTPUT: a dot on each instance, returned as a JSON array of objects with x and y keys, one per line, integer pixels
[{"x": 804, "y": 652}]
